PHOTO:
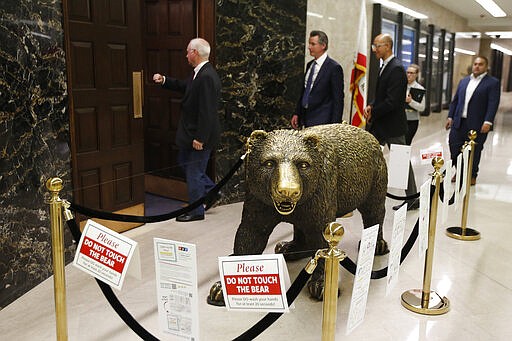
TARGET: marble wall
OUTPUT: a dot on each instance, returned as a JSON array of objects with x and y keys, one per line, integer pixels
[
  {"x": 34, "y": 134},
  {"x": 260, "y": 59}
]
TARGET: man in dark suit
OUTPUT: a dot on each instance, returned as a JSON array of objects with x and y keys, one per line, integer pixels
[
  {"x": 199, "y": 127},
  {"x": 322, "y": 99},
  {"x": 385, "y": 115},
  {"x": 473, "y": 107}
]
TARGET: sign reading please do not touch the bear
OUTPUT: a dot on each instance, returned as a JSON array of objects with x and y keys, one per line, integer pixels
[{"x": 255, "y": 283}]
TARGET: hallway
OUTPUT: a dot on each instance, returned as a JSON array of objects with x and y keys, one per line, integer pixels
[{"x": 476, "y": 276}]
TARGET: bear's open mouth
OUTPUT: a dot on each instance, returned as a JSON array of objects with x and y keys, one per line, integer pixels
[{"x": 284, "y": 207}]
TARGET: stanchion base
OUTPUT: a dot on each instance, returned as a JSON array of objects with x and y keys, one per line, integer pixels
[
  {"x": 411, "y": 300},
  {"x": 457, "y": 232}
]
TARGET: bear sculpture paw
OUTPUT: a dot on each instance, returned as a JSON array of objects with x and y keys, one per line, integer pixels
[
  {"x": 215, "y": 297},
  {"x": 291, "y": 251},
  {"x": 316, "y": 288},
  {"x": 381, "y": 248}
]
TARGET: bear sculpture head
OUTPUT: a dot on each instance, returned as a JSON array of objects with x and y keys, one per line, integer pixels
[{"x": 288, "y": 162}]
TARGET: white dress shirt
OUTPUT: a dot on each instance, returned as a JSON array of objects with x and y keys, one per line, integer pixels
[
  {"x": 473, "y": 83},
  {"x": 319, "y": 63}
]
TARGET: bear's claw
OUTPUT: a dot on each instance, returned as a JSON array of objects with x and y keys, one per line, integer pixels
[
  {"x": 291, "y": 251},
  {"x": 215, "y": 297}
]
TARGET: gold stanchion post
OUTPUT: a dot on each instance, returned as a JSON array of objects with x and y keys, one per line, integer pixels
[
  {"x": 54, "y": 186},
  {"x": 462, "y": 232},
  {"x": 426, "y": 301},
  {"x": 332, "y": 234}
]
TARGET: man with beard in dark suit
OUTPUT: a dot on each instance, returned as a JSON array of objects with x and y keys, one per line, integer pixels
[
  {"x": 473, "y": 108},
  {"x": 322, "y": 98},
  {"x": 385, "y": 115},
  {"x": 199, "y": 128}
]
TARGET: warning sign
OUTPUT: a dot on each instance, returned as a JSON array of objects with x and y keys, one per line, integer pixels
[
  {"x": 104, "y": 254},
  {"x": 255, "y": 283},
  {"x": 426, "y": 155}
]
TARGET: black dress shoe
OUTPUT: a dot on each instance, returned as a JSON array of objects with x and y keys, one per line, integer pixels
[
  {"x": 188, "y": 217},
  {"x": 208, "y": 202}
]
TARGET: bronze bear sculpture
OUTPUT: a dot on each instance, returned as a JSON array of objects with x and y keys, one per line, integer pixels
[{"x": 307, "y": 178}]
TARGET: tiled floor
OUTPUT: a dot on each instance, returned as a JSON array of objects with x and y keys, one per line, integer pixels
[{"x": 476, "y": 276}]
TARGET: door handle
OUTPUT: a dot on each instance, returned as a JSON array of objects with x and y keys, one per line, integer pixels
[{"x": 138, "y": 93}]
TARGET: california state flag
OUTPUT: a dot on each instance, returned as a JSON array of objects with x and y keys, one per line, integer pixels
[{"x": 358, "y": 76}]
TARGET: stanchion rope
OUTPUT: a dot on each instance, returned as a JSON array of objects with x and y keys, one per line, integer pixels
[{"x": 157, "y": 218}]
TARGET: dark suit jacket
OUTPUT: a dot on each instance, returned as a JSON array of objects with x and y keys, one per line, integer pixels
[
  {"x": 388, "y": 108},
  {"x": 199, "y": 117},
  {"x": 326, "y": 100},
  {"x": 481, "y": 107}
]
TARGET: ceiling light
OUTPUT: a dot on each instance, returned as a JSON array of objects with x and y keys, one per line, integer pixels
[
  {"x": 501, "y": 48},
  {"x": 403, "y": 9},
  {"x": 471, "y": 53},
  {"x": 467, "y": 35},
  {"x": 501, "y": 34},
  {"x": 491, "y": 7}
]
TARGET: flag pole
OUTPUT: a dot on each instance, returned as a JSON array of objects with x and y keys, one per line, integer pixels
[{"x": 353, "y": 93}]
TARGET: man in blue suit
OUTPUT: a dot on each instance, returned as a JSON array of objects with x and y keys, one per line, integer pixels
[
  {"x": 473, "y": 107},
  {"x": 322, "y": 99}
]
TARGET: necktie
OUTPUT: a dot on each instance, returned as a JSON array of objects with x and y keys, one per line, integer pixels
[
  {"x": 381, "y": 68},
  {"x": 307, "y": 90}
]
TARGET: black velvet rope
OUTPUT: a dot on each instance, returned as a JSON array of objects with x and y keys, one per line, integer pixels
[
  {"x": 157, "y": 218},
  {"x": 112, "y": 298},
  {"x": 270, "y": 318},
  {"x": 410, "y": 197},
  {"x": 351, "y": 267},
  {"x": 441, "y": 195},
  {"x": 349, "y": 264}
]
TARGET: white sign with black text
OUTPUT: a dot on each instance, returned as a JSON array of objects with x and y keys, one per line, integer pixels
[
  {"x": 424, "y": 218},
  {"x": 362, "y": 278},
  {"x": 398, "y": 169},
  {"x": 395, "y": 250},
  {"x": 176, "y": 288}
]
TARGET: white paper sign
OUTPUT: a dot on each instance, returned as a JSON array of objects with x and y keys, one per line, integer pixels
[
  {"x": 424, "y": 218},
  {"x": 254, "y": 283},
  {"x": 362, "y": 278},
  {"x": 465, "y": 160},
  {"x": 426, "y": 155},
  {"x": 447, "y": 187},
  {"x": 398, "y": 169},
  {"x": 395, "y": 250},
  {"x": 457, "y": 181},
  {"x": 176, "y": 288},
  {"x": 104, "y": 254}
]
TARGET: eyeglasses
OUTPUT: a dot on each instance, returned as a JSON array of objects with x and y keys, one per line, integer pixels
[
  {"x": 376, "y": 46},
  {"x": 411, "y": 72}
]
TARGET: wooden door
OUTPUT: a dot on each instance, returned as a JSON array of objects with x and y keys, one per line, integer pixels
[
  {"x": 169, "y": 26},
  {"x": 103, "y": 50}
]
